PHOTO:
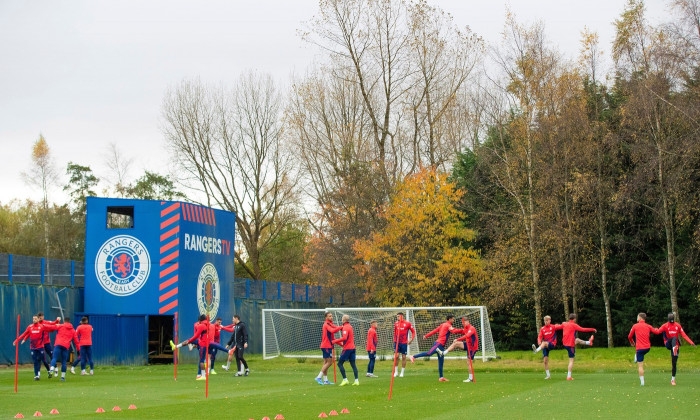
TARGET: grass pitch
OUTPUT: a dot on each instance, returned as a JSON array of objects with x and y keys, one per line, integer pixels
[{"x": 606, "y": 385}]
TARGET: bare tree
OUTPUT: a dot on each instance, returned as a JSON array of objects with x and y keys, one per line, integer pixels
[
  {"x": 228, "y": 143},
  {"x": 119, "y": 166}
]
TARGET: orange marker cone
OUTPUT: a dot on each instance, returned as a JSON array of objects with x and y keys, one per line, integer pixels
[
  {"x": 116, "y": 408},
  {"x": 99, "y": 410},
  {"x": 279, "y": 417},
  {"x": 38, "y": 414},
  {"x": 54, "y": 411},
  {"x": 19, "y": 416},
  {"x": 132, "y": 407},
  {"x": 344, "y": 411},
  {"x": 333, "y": 413},
  {"x": 323, "y": 415},
  {"x": 265, "y": 418}
]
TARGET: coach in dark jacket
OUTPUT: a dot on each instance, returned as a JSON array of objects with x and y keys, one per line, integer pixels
[{"x": 239, "y": 342}]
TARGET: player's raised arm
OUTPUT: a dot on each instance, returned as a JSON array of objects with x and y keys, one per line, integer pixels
[{"x": 431, "y": 333}]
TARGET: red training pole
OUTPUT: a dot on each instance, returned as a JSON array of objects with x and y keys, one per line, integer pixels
[
  {"x": 206, "y": 361},
  {"x": 175, "y": 352},
  {"x": 16, "y": 354}
]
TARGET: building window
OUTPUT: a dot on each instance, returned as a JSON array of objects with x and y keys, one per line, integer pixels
[{"x": 120, "y": 217}]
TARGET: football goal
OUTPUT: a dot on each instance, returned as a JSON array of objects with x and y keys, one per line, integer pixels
[{"x": 297, "y": 332}]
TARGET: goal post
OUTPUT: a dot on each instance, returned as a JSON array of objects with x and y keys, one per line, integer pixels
[{"x": 296, "y": 332}]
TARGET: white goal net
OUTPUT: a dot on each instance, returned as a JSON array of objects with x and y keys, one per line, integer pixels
[{"x": 297, "y": 332}]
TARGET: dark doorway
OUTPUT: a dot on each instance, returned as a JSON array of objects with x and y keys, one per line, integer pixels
[{"x": 160, "y": 332}]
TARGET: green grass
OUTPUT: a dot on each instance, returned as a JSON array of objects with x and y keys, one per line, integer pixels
[{"x": 606, "y": 384}]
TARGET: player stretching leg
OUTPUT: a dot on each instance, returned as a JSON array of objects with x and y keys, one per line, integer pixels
[
  {"x": 570, "y": 340},
  {"x": 672, "y": 332},
  {"x": 468, "y": 342},
  {"x": 547, "y": 341},
  {"x": 439, "y": 346},
  {"x": 401, "y": 329},
  {"x": 202, "y": 333},
  {"x": 66, "y": 334},
  {"x": 371, "y": 348},
  {"x": 347, "y": 340},
  {"x": 327, "y": 347},
  {"x": 640, "y": 331}
]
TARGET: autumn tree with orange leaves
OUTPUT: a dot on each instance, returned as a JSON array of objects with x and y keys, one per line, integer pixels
[{"x": 423, "y": 255}]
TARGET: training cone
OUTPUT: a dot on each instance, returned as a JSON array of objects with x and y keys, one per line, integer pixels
[
  {"x": 323, "y": 415},
  {"x": 54, "y": 411},
  {"x": 116, "y": 408},
  {"x": 19, "y": 416},
  {"x": 265, "y": 418},
  {"x": 279, "y": 417},
  {"x": 38, "y": 414},
  {"x": 99, "y": 410},
  {"x": 333, "y": 413},
  {"x": 344, "y": 411},
  {"x": 132, "y": 407}
]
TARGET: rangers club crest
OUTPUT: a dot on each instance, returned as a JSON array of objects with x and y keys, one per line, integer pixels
[
  {"x": 122, "y": 265},
  {"x": 208, "y": 290}
]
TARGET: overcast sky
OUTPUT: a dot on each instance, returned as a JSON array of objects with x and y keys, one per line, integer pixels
[{"x": 89, "y": 73}]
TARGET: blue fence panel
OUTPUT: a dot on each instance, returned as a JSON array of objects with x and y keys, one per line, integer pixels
[
  {"x": 5, "y": 268},
  {"x": 26, "y": 300},
  {"x": 26, "y": 269}
]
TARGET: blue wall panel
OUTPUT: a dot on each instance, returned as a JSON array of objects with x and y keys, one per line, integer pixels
[{"x": 119, "y": 339}]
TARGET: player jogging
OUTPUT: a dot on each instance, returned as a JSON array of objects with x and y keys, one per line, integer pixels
[
  {"x": 239, "y": 340},
  {"x": 546, "y": 341},
  {"x": 371, "y": 348},
  {"x": 35, "y": 332},
  {"x": 347, "y": 340},
  {"x": 468, "y": 342},
  {"x": 401, "y": 329},
  {"x": 570, "y": 340},
  {"x": 66, "y": 334},
  {"x": 640, "y": 331},
  {"x": 46, "y": 340},
  {"x": 672, "y": 331},
  {"x": 84, "y": 334},
  {"x": 327, "y": 347},
  {"x": 443, "y": 335}
]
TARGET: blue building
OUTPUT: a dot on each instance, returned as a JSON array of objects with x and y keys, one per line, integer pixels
[{"x": 149, "y": 263}]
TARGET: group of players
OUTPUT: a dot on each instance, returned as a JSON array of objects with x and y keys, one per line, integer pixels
[
  {"x": 638, "y": 337},
  {"x": 207, "y": 340},
  {"x": 468, "y": 341},
  {"x": 41, "y": 349}
]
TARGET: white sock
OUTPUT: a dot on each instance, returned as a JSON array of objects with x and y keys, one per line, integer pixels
[
  {"x": 537, "y": 350},
  {"x": 588, "y": 343},
  {"x": 470, "y": 377},
  {"x": 402, "y": 371},
  {"x": 568, "y": 375},
  {"x": 320, "y": 375},
  {"x": 445, "y": 352},
  {"x": 325, "y": 379},
  {"x": 673, "y": 378},
  {"x": 641, "y": 378},
  {"x": 228, "y": 364},
  {"x": 63, "y": 375},
  {"x": 547, "y": 371},
  {"x": 178, "y": 346},
  {"x": 396, "y": 369}
]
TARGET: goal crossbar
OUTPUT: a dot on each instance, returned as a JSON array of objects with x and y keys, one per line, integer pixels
[{"x": 282, "y": 328}]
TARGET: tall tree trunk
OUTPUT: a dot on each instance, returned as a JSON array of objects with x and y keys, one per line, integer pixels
[
  {"x": 603, "y": 254},
  {"x": 563, "y": 279},
  {"x": 670, "y": 242}
]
